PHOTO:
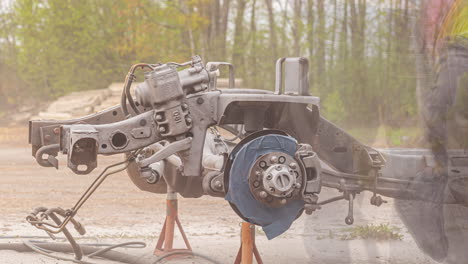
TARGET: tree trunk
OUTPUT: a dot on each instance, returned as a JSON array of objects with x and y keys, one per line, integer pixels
[
  {"x": 238, "y": 47},
  {"x": 223, "y": 28},
  {"x": 320, "y": 53},
  {"x": 310, "y": 38},
  {"x": 272, "y": 29},
  {"x": 331, "y": 63},
  {"x": 297, "y": 28},
  {"x": 253, "y": 46}
]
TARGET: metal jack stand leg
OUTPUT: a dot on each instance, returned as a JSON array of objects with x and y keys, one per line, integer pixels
[
  {"x": 166, "y": 238},
  {"x": 248, "y": 248}
]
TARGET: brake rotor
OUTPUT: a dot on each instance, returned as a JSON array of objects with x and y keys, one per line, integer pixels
[{"x": 261, "y": 186}]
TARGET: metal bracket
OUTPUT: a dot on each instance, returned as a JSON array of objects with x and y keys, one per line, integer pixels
[{"x": 166, "y": 151}]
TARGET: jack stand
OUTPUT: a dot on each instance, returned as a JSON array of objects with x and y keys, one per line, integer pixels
[
  {"x": 166, "y": 237},
  {"x": 248, "y": 248}
]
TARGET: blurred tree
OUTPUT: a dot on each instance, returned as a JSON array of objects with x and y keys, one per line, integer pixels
[{"x": 360, "y": 51}]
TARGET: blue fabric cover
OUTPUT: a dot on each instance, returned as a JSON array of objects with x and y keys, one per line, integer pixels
[{"x": 274, "y": 221}]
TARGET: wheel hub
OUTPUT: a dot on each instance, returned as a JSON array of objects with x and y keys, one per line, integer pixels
[{"x": 275, "y": 179}]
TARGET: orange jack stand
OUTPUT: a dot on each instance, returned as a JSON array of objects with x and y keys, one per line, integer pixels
[
  {"x": 248, "y": 248},
  {"x": 166, "y": 237}
]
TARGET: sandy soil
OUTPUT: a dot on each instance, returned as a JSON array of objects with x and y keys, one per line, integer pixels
[{"x": 119, "y": 212}]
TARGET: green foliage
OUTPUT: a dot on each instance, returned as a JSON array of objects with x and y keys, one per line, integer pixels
[
  {"x": 359, "y": 51},
  {"x": 333, "y": 107},
  {"x": 373, "y": 232}
]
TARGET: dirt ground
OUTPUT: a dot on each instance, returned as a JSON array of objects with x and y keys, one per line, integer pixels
[{"x": 119, "y": 212}]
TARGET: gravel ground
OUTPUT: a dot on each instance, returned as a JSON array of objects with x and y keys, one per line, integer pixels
[{"x": 119, "y": 212}]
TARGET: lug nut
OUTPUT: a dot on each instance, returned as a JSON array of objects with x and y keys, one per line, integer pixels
[
  {"x": 293, "y": 165},
  {"x": 281, "y": 159},
  {"x": 263, "y": 194},
  {"x": 274, "y": 159},
  {"x": 283, "y": 201},
  {"x": 256, "y": 184},
  {"x": 262, "y": 164},
  {"x": 297, "y": 185},
  {"x": 258, "y": 173},
  {"x": 218, "y": 184}
]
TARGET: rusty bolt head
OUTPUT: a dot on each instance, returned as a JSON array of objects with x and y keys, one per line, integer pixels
[
  {"x": 283, "y": 201},
  {"x": 274, "y": 159},
  {"x": 256, "y": 184},
  {"x": 281, "y": 159},
  {"x": 263, "y": 194},
  {"x": 218, "y": 184}
]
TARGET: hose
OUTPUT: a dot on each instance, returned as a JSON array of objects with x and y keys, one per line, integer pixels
[
  {"x": 48, "y": 249},
  {"x": 126, "y": 95},
  {"x": 158, "y": 260}
]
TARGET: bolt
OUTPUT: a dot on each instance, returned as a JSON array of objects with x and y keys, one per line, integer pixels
[
  {"x": 200, "y": 100},
  {"x": 278, "y": 168},
  {"x": 281, "y": 159},
  {"x": 263, "y": 194},
  {"x": 188, "y": 120},
  {"x": 151, "y": 176},
  {"x": 258, "y": 173},
  {"x": 159, "y": 118},
  {"x": 283, "y": 201},
  {"x": 47, "y": 137},
  {"x": 262, "y": 164},
  {"x": 274, "y": 159},
  {"x": 298, "y": 185},
  {"x": 293, "y": 165},
  {"x": 184, "y": 106},
  {"x": 218, "y": 184},
  {"x": 269, "y": 177},
  {"x": 56, "y": 130},
  {"x": 256, "y": 184},
  {"x": 162, "y": 129}
]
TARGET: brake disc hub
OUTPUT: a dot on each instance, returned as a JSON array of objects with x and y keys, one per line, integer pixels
[{"x": 275, "y": 179}]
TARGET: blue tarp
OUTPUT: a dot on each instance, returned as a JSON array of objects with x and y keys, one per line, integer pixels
[{"x": 274, "y": 221}]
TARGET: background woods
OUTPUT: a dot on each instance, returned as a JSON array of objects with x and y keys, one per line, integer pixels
[{"x": 359, "y": 50}]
